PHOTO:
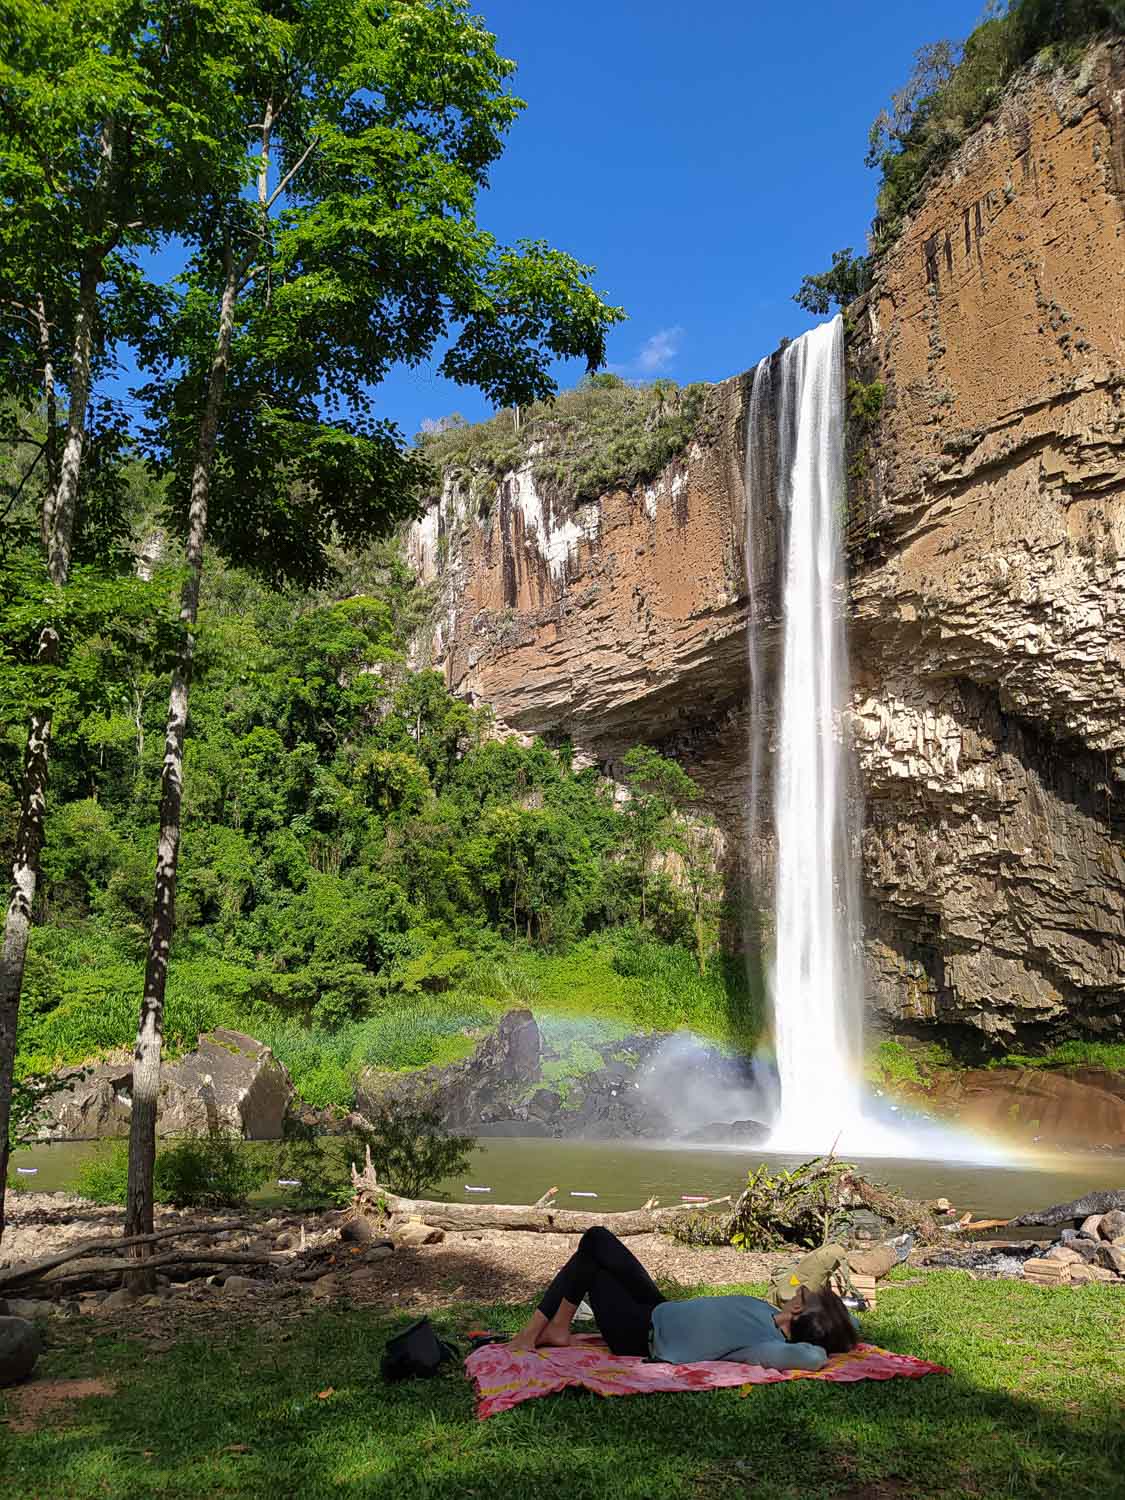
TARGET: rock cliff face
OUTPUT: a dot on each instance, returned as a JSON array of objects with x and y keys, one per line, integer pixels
[
  {"x": 987, "y": 551},
  {"x": 988, "y": 592}
]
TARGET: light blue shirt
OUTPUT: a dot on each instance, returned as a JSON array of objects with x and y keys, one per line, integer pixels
[{"x": 735, "y": 1328}]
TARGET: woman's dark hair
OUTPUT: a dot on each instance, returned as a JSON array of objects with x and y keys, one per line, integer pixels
[{"x": 824, "y": 1320}]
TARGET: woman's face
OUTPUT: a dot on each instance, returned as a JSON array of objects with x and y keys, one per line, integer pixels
[{"x": 790, "y": 1309}]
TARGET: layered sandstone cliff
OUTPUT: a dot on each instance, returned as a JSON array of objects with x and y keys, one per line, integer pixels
[{"x": 987, "y": 549}]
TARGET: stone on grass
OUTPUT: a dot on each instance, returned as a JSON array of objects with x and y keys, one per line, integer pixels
[
  {"x": 357, "y": 1231},
  {"x": 1112, "y": 1259},
  {"x": 24, "y": 1307},
  {"x": 117, "y": 1300},
  {"x": 236, "y": 1285},
  {"x": 377, "y": 1252},
  {"x": 1112, "y": 1224},
  {"x": 412, "y": 1234},
  {"x": 20, "y": 1347},
  {"x": 1063, "y": 1253}
]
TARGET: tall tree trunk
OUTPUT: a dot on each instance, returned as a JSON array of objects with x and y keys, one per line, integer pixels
[
  {"x": 51, "y": 413},
  {"x": 57, "y": 526},
  {"x": 150, "y": 1032}
]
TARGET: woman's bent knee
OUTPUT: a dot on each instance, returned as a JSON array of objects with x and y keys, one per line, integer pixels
[{"x": 597, "y": 1238}]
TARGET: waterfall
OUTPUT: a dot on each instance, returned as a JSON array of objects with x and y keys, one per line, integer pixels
[{"x": 796, "y": 490}]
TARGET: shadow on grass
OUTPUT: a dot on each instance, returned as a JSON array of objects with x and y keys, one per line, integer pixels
[{"x": 302, "y": 1412}]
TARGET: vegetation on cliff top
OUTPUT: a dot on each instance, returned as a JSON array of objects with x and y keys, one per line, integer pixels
[
  {"x": 950, "y": 91},
  {"x": 603, "y": 434}
]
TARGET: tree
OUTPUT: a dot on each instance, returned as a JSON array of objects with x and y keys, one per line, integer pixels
[
  {"x": 367, "y": 134},
  {"x": 657, "y": 786},
  {"x": 698, "y": 843},
  {"x": 111, "y": 116},
  {"x": 846, "y": 278}
]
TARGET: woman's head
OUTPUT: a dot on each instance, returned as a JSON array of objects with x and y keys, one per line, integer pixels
[{"x": 822, "y": 1319}]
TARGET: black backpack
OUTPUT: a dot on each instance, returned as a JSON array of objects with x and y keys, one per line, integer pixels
[{"x": 415, "y": 1351}]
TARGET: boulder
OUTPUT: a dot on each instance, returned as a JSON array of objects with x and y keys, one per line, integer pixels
[
  {"x": 1065, "y": 1254},
  {"x": 1089, "y": 1225},
  {"x": 1085, "y": 1248},
  {"x": 229, "y": 1082},
  {"x": 236, "y": 1286},
  {"x": 1111, "y": 1224},
  {"x": 117, "y": 1301},
  {"x": 411, "y": 1234},
  {"x": 1084, "y": 1275},
  {"x": 24, "y": 1307},
  {"x": 488, "y": 1086},
  {"x": 1112, "y": 1259},
  {"x": 357, "y": 1231},
  {"x": 20, "y": 1347}
]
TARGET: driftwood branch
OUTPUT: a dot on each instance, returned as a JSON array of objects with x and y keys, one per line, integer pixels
[
  {"x": 31, "y": 1270},
  {"x": 116, "y": 1267}
]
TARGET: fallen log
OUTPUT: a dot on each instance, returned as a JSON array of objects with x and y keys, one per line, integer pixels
[
  {"x": 32, "y": 1270},
  {"x": 541, "y": 1216},
  {"x": 80, "y": 1270}
]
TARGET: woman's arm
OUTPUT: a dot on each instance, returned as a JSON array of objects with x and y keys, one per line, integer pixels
[{"x": 778, "y": 1355}]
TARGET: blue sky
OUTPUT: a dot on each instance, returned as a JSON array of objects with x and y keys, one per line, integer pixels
[{"x": 704, "y": 158}]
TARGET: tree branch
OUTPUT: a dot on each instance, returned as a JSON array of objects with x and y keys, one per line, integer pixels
[
  {"x": 30, "y": 1269},
  {"x": 293, "y": 170}
]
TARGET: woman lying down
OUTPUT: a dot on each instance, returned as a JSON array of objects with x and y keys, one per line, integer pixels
[{"x": 634, "y": 1318}]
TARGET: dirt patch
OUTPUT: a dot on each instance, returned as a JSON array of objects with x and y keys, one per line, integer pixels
[
  {"x": 34, "y": 1405},
  {"x": 509, "y": 1266}
]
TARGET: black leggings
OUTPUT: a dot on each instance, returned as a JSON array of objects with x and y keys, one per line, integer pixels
[{"x": 620, "y": 1291}]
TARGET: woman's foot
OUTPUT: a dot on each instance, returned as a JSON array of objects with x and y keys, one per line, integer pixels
[
  {"x": 523, "y": 1343},
  {"x": 556, "y": 1336}
]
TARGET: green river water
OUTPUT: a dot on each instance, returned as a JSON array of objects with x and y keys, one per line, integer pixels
[{"x": 624, "y": 1174}]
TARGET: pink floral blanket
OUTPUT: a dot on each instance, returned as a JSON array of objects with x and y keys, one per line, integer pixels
[{"x": 503, "y": 1378}]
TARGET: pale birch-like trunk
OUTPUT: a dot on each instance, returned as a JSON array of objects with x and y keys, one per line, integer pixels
[
  {"x": 150, "y": 1031},
  {"x": 57, "y": 526}
]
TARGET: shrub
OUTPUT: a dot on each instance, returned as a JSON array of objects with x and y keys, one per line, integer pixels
[
  {"x": 412, "y": 1150},
  {"x": 217, "y": 1170},
  {"x": 318, "y": 1164},
  {"x": 103, "y": 1177},
  {"x": 893, "y": 1064},
  {"x": 602, "y": 434},
  {"x": 848, "y": 276}
]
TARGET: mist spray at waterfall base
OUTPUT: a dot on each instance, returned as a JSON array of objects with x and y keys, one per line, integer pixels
[{"x": 795, "y": 470}]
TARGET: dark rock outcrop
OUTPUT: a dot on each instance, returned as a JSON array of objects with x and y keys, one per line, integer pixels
[
  {"x": 638, "y": 1092},
  {"x": 229, "y": 1082},
  {"x": 1080, "y": 1208}
]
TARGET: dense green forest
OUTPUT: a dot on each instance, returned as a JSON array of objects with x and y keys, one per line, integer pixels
[{"x": 368, "y": 875}]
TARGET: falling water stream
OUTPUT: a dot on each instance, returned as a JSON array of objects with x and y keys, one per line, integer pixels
[
  {"x": 796, "y": 499},
  {"x": 796, "y": 440}
]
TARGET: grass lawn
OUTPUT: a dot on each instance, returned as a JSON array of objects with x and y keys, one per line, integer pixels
[{"x": 1035, "y": 1406}]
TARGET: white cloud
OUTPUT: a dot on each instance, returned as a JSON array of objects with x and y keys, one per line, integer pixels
[{"x": 658, "y": 352}]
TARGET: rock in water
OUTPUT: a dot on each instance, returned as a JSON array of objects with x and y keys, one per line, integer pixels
[
  {"x": 1079, "y": 1209},
  {"x": 20, "y": 1347}
]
